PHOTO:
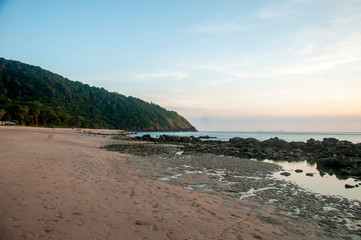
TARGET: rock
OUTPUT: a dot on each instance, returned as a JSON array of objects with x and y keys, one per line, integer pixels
[
  {"x": 269, "y": 150},
  {"x": 297, "y": 145},
  {"x": 331, "y": 155},
  {"x": 276, "y": 143},
  {"x": 147, "y": 137},
  {"x": 345, "y": 172},
  {"x": 309, "y": 174},
  {"x": 285, "y": 174},
  {"x": 329, "y": 141},
  {"x": 313, "y": 143},
  {"x": 298, "y": 170},
  {"x": 206, "y": 137},
  {"x": 335, "y": 163},
  {"x": 349, "y": 186}
]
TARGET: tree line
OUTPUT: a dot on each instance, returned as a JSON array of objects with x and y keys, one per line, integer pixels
[{"x": 32, "y": 96}]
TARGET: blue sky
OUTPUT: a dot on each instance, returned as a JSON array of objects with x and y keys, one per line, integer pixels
[{"x": 224, "y": 65}]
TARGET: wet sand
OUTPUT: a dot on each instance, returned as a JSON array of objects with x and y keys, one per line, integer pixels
[{"x": 59, "y": 184}]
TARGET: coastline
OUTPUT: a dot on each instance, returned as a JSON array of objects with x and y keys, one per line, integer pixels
[{"x": 58, "y": 184}]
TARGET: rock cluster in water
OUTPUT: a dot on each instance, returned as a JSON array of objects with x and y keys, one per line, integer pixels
[{"x": 333, "y": 156}]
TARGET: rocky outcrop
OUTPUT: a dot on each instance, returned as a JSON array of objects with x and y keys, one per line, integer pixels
[
  {"x": 169, "y": 139},
  {"x": 333, "y": 156}
]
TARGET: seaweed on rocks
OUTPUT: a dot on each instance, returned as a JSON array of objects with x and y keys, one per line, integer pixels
[{"x": 137, "y": 149}]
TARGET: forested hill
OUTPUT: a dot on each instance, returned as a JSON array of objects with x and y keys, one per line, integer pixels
[{"x": 32, "y": 96}]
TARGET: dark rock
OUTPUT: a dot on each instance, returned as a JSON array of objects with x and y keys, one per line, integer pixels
[
  {"x": 276, "y": 143},
  {"x": 336, "y": 163},
  {"x": 285, "y": 174},
  {"x": 313, "y": 143},
  {"x": 298, "y": 170},
  {"x": 309, "y": 174},
  {"x": 329, "y": 141},
  {"x": 206, "y": 137},
  {"x": 349, "y": 186},
  {"x": 147, "y": 137},
  {"x": 297, "y": 145},
  {"x": 345, "y": 172}
]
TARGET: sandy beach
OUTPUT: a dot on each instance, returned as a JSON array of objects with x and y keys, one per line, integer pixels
[{"x": 60, "y": 184}]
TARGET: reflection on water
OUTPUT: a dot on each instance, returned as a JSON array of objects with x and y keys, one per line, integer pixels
[{"x": 326, "y": 184}]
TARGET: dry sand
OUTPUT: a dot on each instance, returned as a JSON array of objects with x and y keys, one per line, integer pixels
[{"x": 58, "y": 184}]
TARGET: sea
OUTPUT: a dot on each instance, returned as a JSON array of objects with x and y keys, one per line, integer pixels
[{"x": 327, "y": 184}]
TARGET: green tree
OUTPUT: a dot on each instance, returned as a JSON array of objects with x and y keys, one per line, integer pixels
[
  {"x": 22, "y": 113},
  {"x": 36, "y": 111},
  {"x": 57, "y": 101},
  {"x": 36, "y": 115}
]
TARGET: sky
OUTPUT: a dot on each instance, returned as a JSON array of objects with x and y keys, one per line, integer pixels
[{"x": 234, "y": 65}]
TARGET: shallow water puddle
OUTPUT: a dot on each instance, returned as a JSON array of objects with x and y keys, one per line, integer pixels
[{"x": 326, "y": 184}]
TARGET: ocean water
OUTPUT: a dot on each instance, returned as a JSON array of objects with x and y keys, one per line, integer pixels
[{"x": 354, "y": 137}]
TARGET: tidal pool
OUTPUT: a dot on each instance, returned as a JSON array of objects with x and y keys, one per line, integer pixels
[{"x": 326, "y": 184}]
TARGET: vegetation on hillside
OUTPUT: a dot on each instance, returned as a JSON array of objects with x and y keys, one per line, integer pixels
[{"x": 32, "y": 96}]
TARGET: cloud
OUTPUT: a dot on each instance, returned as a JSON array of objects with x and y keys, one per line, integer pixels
[
  {"x": 319, "y": 49},
  {"x": 164, "y": 74},
  {"x": 217, "y": 27}
]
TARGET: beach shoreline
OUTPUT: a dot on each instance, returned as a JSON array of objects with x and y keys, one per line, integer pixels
[{"x": 59, "y": 184}]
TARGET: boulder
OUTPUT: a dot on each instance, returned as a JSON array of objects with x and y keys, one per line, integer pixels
[{"x": 276, "y": 143}]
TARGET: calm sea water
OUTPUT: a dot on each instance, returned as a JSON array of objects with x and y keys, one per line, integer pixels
[
  {"x": 326, "y": 185},
  {"x": 354, "y": 137}
]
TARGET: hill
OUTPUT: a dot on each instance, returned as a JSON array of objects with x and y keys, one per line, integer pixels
[{"x": 30, "y": 95}]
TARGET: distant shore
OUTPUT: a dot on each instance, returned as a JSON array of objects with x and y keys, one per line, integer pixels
[{"x": 59, "y": 184}]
